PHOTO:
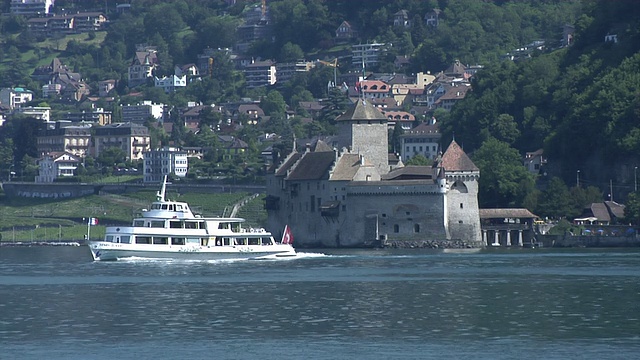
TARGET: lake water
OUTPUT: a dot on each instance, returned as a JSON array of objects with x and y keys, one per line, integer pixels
[{"x": 56, "y": 303}]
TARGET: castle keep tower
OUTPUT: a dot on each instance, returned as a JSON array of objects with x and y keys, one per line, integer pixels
[{"x": 363, "y": 130}]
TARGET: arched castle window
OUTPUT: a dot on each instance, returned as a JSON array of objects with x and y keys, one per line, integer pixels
[{"x": 460, "y": 187}]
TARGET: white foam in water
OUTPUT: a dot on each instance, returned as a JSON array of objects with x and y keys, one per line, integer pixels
[{"x": 272, "y": 257}]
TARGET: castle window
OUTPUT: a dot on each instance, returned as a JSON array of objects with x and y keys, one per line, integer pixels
[
  {"x": 408, "y": 213},
  {"x": 344, "y": 207},
  {"x": 416, "y": 228},
  {"x": 384, "y": 215},
  {"x": 461, "y": 206},
  {"x": 396, "y": 228},
  {"x": 460, "y": 222}
]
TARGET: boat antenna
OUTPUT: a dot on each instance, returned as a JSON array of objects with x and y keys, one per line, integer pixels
[{"x": 160, "y": 194}]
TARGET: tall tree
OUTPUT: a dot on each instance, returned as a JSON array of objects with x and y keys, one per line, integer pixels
[
  {"x": 504, "y": 182},
  {"x": 273, "y": 103},
  {"x": 556, "y": 201}
]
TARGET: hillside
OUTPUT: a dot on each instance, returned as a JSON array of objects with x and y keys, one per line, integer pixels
[{"x": 580, "y": 104}]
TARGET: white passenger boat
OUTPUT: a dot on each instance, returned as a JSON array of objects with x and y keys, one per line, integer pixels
[{"x": 170, "y": 230}]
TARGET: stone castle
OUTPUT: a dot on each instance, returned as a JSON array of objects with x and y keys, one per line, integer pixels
[{"x": 346, "y": 194}]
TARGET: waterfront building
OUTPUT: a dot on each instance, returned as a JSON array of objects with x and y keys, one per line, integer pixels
[{"x": 344, "y": 194}]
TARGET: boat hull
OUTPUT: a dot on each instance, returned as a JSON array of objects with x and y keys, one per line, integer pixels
[{"x": 106, "y": 251}]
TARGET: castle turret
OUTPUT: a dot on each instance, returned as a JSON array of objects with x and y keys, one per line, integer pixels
[{"x": 462, "y": 175}]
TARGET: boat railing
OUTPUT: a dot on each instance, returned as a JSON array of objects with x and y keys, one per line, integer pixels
[{"x": 252, "y": 230}]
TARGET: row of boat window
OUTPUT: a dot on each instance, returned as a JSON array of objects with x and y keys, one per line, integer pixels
[
  {"x": 170, "y": 207},
  {"x": 214, "y": 241},
  {"x": 181, "y": 224}
]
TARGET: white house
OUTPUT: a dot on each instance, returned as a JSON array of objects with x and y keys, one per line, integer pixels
[
  {"x": 170, "y": 83},
  {"x": 142, "y": 66},
  {"x": 39, "y": 112},
  {"x": 164, "y": 161},
  {"x": 15, "y": 97},
  {"x": 31, "y": 7},
  {"x": 368, "y": 54},
  {"x": 140, "y": 112},
  {"x": 56, "y": 164}
]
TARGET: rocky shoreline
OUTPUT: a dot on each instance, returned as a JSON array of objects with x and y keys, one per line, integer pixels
[{"x": 431, "y": 244}]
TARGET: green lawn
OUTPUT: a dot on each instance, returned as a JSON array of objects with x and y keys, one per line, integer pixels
[{"x": 61, "y": 43}]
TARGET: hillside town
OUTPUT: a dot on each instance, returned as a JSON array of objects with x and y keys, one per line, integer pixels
[{"x": 408, "y": 108}]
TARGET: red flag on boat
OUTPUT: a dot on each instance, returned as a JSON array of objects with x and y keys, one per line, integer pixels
[{"x": 287, "y": 236}]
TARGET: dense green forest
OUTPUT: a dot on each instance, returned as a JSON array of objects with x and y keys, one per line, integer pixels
[{"x": 579, "y": 103}]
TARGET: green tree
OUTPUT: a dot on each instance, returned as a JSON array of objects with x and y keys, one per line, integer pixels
[
  {"x": 395, "y": 137},
  {"x": 505, "y": 129},
  {"x": 419, "y": 160},
  {"x": 110, "y": 157},
  {"x": 556, "y": 201},
  {"x": 336, "y": 106},
  {"x": 504, "y": 181},
  {"x": 632, "y": 209},
  {"x": 290, "y": 53},
  {"x": 273, "y": 103},
  {"x": 24, "y": 137}
]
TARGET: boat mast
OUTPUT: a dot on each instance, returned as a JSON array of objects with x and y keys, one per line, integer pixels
[{"x": 160, "y": 194}]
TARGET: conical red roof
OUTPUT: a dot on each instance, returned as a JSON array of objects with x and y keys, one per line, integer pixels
[{"x": 455, "y": 159}]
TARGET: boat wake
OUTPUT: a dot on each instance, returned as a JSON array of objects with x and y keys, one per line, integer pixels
[{"x": 271, "y": 257}]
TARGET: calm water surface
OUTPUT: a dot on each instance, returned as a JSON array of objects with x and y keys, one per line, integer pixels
[{"x": 55, "y": 303}]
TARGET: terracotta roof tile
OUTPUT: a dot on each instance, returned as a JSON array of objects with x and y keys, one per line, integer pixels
[{"x": 455, "y": 159}]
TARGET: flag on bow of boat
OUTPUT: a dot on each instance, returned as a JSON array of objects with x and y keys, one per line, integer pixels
[
  {"x": 93, "y": 221},
  {"x": 287, "y": 236}
]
